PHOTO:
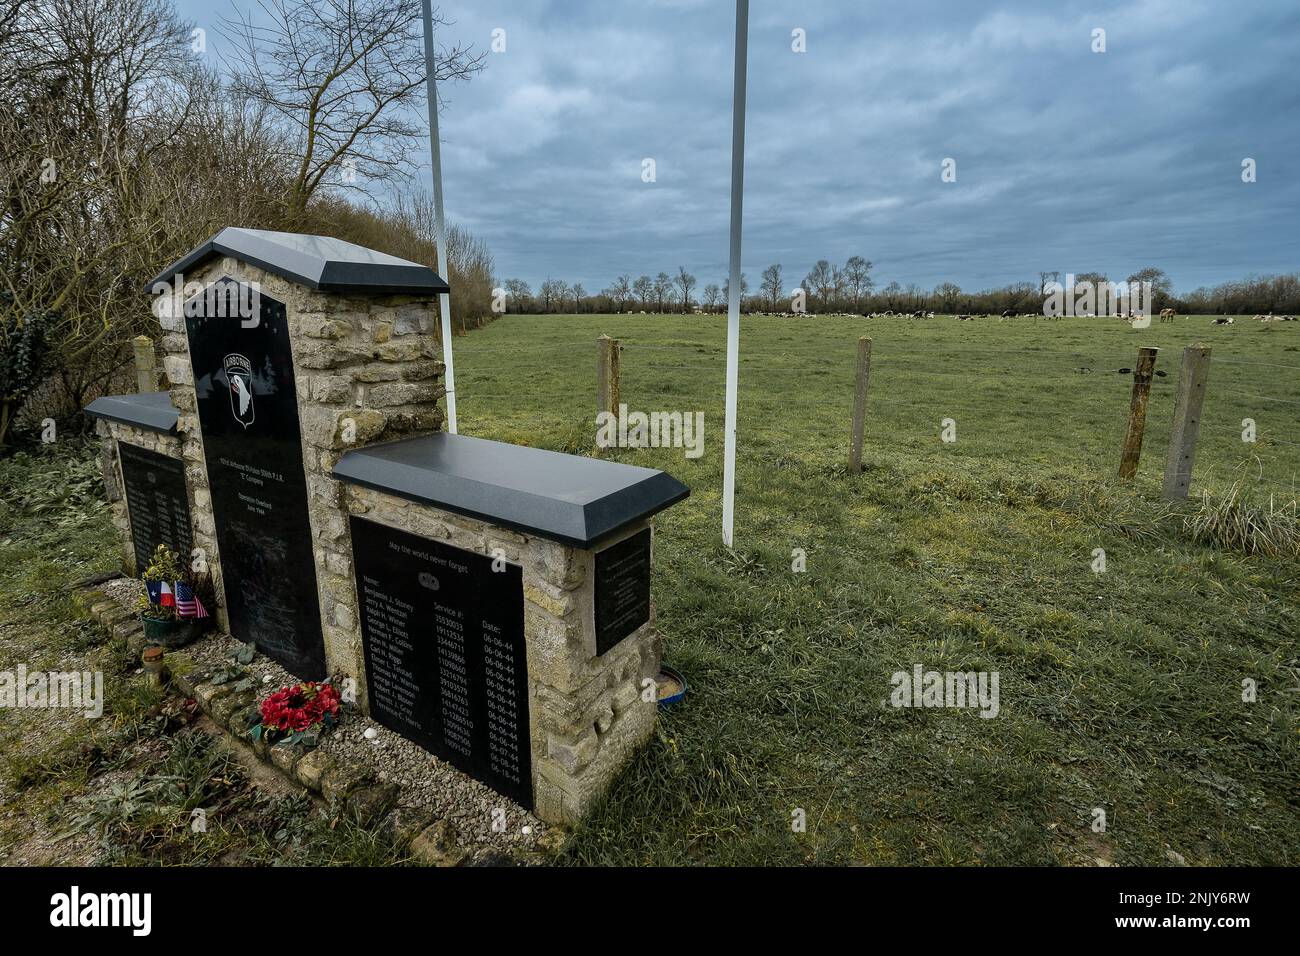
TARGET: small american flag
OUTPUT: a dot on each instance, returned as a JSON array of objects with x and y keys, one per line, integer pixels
[{"x": 187, "y": 602}]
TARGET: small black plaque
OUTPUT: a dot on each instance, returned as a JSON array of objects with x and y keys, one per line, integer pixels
[
  {"x": 248, "y": 412},
  {"x": 156, "y": 503},
  {"x": 622, "y": 589},
  {"x": 446, "y": 663}
]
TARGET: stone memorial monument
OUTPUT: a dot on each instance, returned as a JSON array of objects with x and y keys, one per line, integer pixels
[{"x": 491, "y": 602}]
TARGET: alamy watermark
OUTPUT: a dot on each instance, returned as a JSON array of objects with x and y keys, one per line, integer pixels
[
  {"x": 73, "y": 909},
  {"x": 1125, "y": 299},
  {"x": 955, "y": 689},
  {"x": 69, "y": 690},
  {"x": 652, "y": 430},
  {"x": 224, "y": 299}
]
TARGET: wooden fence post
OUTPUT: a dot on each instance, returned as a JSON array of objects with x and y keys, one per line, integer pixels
[
  {"x": 607, "y": 392},
  {"x": 860, "y": 403},
  {"x": 146, "y": 369},
  {"x": 1192, "y": 379},
  {"x": 1137, "y": 411}
]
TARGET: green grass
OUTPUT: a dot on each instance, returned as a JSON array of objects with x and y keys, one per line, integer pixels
[
  {"x": 120, "y": 790},
  {"x": 1119, "y": 690}
]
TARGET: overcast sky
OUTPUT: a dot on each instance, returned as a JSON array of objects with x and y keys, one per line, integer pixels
[{"x": 1065, "y": 159}]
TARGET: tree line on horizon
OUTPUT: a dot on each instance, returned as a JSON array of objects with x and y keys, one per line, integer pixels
[{"x": 830, "y": 288}]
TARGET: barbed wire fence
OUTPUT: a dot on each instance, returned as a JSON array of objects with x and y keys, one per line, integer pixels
[{"x": 906, "y": 405}]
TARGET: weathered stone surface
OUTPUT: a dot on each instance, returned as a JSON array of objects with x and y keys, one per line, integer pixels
[
  {"x": 331, "y": 389},
  {"x": 400, "y": 393},
  {"x": 340, "y": 780},
  {"x": 436, "y": 845},
  {"x": 367, "y": 369},
  {"x": 236, "y": 702},
  {"x": 207, "y": 694},
  {"x": 422, "y": 371},
  {"x": 284, "y": 755},
  {"x": 576, "y": 752},
  {"x": 374, "y": 374},
  {"x": 241, "y": 723},
  {"x": 312, "y": 767}
]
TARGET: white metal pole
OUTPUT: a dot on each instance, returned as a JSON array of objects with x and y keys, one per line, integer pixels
[
  {"x": 733, "y": 290},
  {"x": 440, "y": 227}
]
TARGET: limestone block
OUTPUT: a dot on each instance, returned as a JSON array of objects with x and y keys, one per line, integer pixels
[
  {"x": 422, "y": 371},
  {"x": 573, "y": 752},
  {"x": 414, "y": 319},
  {"x": 374, "y": 374},
  {"x": 561, "y": 565},
  {"x": 342, "y": 779},
  {"x": 331, "y": 389},
  {"x": 284, "y": 755},
  {"x": 400, "y": 393},
  {"x": 558, "y": 604},
  {"x": 312, "y": 767}
]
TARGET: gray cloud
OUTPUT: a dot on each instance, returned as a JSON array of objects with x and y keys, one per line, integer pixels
[{"x": 1066, "y": 159}]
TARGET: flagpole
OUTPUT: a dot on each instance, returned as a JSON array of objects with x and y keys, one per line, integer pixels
[
  {"x": 440, "y": 228},
  {"x": 733, "y": 284}
]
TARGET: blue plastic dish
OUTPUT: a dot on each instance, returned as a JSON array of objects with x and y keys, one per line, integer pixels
[{"x": 669, "y": 675}]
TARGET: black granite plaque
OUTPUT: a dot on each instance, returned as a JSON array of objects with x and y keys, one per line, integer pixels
[
  {"x": 156, "y": 503},
  {"x": 248, "y": 412},
  {"x": 446, "y": 665},
  {"x": 622, "y": 589}
]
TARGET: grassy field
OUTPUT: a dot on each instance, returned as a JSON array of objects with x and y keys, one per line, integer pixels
[{"x": 1120, "y": 691}]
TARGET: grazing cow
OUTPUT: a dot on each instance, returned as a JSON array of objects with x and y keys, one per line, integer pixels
[
  {"x": 1222, "y": 321},
  {"x": 965, "y": 318},
  {"x": 1167, "y": 315}
]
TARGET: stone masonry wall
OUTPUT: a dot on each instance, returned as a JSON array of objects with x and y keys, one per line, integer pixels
[
  {"x": 110, "y": 433},
  {"x": 366, "y": 371},
  {"x": 586, "y": 713}
]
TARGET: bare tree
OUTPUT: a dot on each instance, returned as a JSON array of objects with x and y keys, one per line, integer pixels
[
  {"x": 712, "y": 296},
  {"x": 771, "y": 284},
  {"x": 100, "y": 89},
  {"x": 686, "y": 282},
  {"x": 619, "y": 291},
  {"x": 553, "y": 292},
  {"x": 663, "y": 286},
  {"x": 644, "y": 289},
  {"x": 343, "y": 76},
  {"x": 820, "y": 281},
  {"x": 519, "y": 293},
  {"x": 1161, "y": 287},
  {"x": 744, "y": 290},
  {"x": 857, "y": 279}
]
